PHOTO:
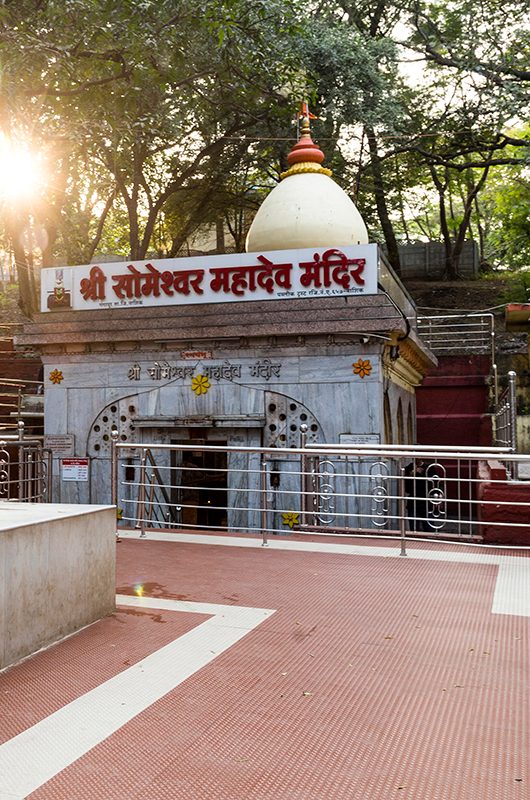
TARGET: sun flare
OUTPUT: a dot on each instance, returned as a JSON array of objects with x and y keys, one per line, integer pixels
[{"x": 21, "y": 173}]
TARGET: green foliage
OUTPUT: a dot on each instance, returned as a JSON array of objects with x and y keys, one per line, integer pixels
[
  {"x": 158, "y": 118},
  {"x": 137, "y": 107},
  {"x": 506, "y": 203},
  {"x": 353, "y": 73},
  {"x": 514, "y": 286}
]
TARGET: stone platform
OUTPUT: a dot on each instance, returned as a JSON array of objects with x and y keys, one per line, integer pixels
[{"x": 57, "y": 573}]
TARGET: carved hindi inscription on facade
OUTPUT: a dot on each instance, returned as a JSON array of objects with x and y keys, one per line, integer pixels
[{"x": 164, "y": 371}]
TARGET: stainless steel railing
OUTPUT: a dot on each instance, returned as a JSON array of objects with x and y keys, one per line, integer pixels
[
  {"x": 505, "y": 412},
  {"x": 21, "y": 401},
  {"x": 25, "y": 469},
  {"x": 329, "y": 489},
  {"x": 505, "y": 420},
  {"x": 459, "y": 333}
]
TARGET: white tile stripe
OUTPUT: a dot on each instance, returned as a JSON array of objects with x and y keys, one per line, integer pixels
[
  {"x": 512, "y": 588},
  {"x": 34, "y": 756}
]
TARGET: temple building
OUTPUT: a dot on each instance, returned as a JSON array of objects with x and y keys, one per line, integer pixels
[{"x": 310, "y": 327}]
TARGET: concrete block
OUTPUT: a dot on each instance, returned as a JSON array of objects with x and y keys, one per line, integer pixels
[{"x": 57, "y": 573}]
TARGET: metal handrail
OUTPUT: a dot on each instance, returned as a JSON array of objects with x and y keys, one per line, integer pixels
[
  {"x": 16, "y": 392},
  {"x": 25, "y": 470},
  {"x": 505, "y": 417},
  {"x": 449, "y": 333},
  {"x": 18, "y": 382},
  {"x": 334, "y": 489}
]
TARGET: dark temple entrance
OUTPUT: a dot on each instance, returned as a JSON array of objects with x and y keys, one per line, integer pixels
[{"x": 202, "y": 488}]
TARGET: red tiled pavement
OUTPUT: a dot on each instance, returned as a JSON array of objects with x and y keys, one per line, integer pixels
[{"x": 374, "y": 678}]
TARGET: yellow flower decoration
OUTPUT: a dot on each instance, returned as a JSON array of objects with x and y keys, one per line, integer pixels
[
  {"x": 200, "y": 384},
  {"x": 56, "y": 376},
  {"x": 290, "y": 518},
  {"x": 362, "y": 368}
]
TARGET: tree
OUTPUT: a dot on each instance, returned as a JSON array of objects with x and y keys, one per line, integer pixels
[
  {"x": 353, "y": 63},
  {"x": 157, "y": 118},
  {"x": 505, "y": 205},
  {"x": 480, "y": 51},
  {"x": 488, "y": 39},
  {"x": 155, "y": 102},
  {"x": 448, "y": 129}
]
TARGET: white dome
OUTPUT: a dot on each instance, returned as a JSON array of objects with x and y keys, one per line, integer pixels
[{"x": 307, "y": 209}]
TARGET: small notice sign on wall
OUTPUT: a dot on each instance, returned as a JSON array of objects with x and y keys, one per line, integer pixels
[
  {"x": 61, "y": 444},
  {"x": 359, "y": 438},
  {"x": 74, "y": 469}
]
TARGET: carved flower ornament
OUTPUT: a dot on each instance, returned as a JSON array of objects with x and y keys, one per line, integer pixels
[
  {"x": 290, "y": 518},
  {"x": 56, "y": 376},
  {"x": 200, "y": 384},
  {"x": 362, "y": 367}
]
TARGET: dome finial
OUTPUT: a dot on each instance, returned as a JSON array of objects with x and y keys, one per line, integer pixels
[
  {"x": 309, "y": 209},
  {"x": 305, "y": 156}
]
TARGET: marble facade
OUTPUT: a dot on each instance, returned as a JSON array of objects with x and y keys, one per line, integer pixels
[{"x": 249, "y": 373}]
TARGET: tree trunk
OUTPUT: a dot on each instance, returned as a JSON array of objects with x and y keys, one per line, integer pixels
[
  {"x": 380, "y": 201},
  {"x": 481, "y": 236},
  {"x": 99, "y": 230},
  {"x": 473, "y": 191},
  {"x": 27, "y": 292},
  {"x": 450, "y": 271},
  {"x": 28, "y": 300},
  {"x": 48, "y": 244}
]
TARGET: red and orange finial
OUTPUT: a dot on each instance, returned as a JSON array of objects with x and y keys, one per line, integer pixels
[{"x": 305, "y": 156}]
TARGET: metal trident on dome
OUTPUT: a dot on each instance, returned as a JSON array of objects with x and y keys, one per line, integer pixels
[{"x": 304, "y": 111}]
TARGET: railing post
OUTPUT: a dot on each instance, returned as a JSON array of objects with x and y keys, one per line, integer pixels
[
  {"x": 48, "y": 478},
  {"x": 402, "y": 508},
  {"x": 28, "y": 475},
  {"x": 512, "y": 394},
  {"x": 114, "y": 467},
  {"x": 141, "y": 495},
  {"x": 114, "y": 473},
  {"x": 20, "y": 455},
  {"x": 492, "y": 344},
  {"x": 494, "y": 371},
  {"x": 263, "y": 477},
  {"x": 151, "y": 497},
  {"x": 303, "y": 470}
]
